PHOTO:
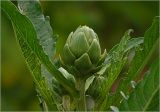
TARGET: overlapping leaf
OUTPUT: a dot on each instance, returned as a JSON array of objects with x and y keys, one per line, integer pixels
[
  {"x": 32, "y": 9},
  {"x": 31, "y": 59},
  {"x": 145, "y": 95},
  {"x": 115, "y": 61},
  {"x": 28, "y": 40},
  {"x": 142, "y": 55},
  {"x": 151, "y": 37},
  {"x": 35, "y": 37}
]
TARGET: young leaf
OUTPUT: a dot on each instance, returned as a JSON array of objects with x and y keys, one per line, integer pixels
[
  {"x": 27, "y": 35},
  {"x": 144, "y": 96}
]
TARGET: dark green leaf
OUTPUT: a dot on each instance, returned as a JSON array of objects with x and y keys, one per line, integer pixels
[
  {"x": 145, "y": 94},
  {"x": 117, "y": 60},
  {"x": 27, "y": 34},
  {"x": 150, "y": 42},
  {"x": 141, "y": 57},
  {"x": 32, "y": 9},
  {"x": 117, "y": 53}
]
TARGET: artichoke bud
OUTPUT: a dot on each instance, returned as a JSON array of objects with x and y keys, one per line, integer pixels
[{"x": 82, "y": 51}]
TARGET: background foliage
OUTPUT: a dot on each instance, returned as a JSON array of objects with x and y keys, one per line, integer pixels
[{"x": 108, "y": 19}]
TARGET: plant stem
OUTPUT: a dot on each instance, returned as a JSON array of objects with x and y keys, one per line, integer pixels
[
  {"x": 44, "y": 107},
  {"x": 81, "y": 104}
]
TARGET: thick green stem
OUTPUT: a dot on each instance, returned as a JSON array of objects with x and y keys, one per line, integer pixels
[{"x": 81, "y": 103}]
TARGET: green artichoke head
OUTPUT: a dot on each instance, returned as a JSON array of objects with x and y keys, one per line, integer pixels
[{"x": 82, "y": 51}]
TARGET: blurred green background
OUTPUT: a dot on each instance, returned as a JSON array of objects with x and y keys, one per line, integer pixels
[{"x": 108, "y": 19}]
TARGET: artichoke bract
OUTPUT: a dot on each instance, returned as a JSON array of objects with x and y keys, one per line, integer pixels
[{"x": 82, "y": 52}]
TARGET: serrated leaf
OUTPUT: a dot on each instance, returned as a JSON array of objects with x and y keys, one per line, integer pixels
[
  {"x": 27, "y": 34},
  {"x": 32, "y": 9},
  {"x": 143, "y": 96},
  {"x": 150, "y": 42},
  {"x": 141, "y": 57},
  {"x": 34, "y": 65},
  {"x": 117, "y": 61},
  {"x": 132, "y": 43}
]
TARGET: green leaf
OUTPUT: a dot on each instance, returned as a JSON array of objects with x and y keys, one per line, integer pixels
[
  {"x": 89, "y": 81},
  {"x": 132, "y": 43},
  {"x": 142, "y": 55},
  {"x": 140, "y": 59},
  {"x": 117, "y": 61},
  {"x": 26, "y": 34},
  {"x": 33, "y": 11},
  {"x": 67, "y": 75},
  {"x": 51, "y": 85},
  {"x": 34, "y": 66},
  {"x": 144, "y": 96},
  {"x": 46, "y": 94},
  {"x": 150, "y": 42}
]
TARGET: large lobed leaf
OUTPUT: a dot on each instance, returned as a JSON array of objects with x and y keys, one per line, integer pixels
[
  {"x": 115, "y": 61},
  {"x": 151, "y": 37},
  {"x": 142, "y": 55},
  {"x": 32, "y": 9},
  {"x": 145, "y": 95},
  {"x": 33, "y": 64},
  {"x": 30, "y": 46}
]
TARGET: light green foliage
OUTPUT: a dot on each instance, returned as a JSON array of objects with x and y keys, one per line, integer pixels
[{"x": 65, "y": 87}]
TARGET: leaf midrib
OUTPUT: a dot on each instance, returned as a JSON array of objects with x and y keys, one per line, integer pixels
[
  {"x": 146, "y": 59},
  {"x": 150, "y": 99}
]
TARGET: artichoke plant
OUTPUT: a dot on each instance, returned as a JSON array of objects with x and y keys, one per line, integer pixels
[
  {"x": 113, "y": 88},
  {"x": 82, "y": 52}
]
